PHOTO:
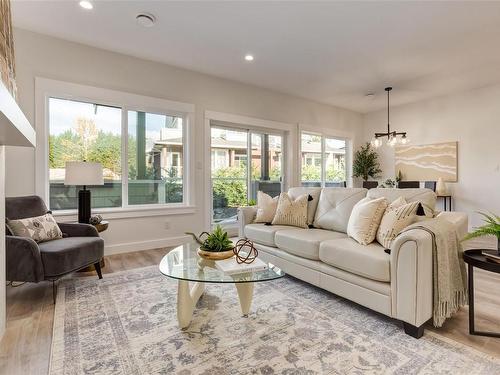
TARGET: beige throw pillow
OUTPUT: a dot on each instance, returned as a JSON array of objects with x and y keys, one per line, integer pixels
[
  {"x": 40, "y": 229},
  {"x": 365, "y": 219},
  {"x": 266, "y": 207},
  {"x": 291, "y": 212},
  {"x": 397, "y": 217}
]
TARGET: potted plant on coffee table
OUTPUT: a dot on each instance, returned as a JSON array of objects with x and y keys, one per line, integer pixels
[
  {"x": 490, "y": 228},
  {"x": 215, "y": 245}
]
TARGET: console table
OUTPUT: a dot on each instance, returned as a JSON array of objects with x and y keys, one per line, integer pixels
[{"x": 446, "y": 199}]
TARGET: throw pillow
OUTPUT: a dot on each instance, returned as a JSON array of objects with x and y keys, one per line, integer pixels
[
  {"x": 40, "y": 229},
  {"x": 397, "y": 217},
  {"x": 365, "y": 219},
  {"x": 266, "y": 208},
  {"x": 291, "y": 212}
]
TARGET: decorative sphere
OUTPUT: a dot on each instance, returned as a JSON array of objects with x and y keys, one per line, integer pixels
[{"x": 245, "y": 251}]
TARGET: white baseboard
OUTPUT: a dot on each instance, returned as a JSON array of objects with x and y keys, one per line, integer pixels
[{"x": 145, "y": 245}]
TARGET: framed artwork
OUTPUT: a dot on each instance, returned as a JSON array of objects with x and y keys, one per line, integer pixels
[{"x": 427, "y": 162}]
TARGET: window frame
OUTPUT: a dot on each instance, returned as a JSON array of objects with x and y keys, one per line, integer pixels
[
  {"x": 324, "y": 135},
  {"x": 47, "y": 88}
]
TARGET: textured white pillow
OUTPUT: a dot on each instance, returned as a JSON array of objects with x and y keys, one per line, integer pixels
[
  {"x": 397, "y": 217},
  {"x": 291, "y": 212},
  {"x": 40, "y": 228},
  {"x": 266, "y": 207},
  {"x": 365, "y": 219}
]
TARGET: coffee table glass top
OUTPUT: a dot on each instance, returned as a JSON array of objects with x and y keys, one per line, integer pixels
[{"x": 183, "y": 263}]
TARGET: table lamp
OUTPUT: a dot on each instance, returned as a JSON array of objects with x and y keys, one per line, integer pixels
[{"x": 83, "y": 173}]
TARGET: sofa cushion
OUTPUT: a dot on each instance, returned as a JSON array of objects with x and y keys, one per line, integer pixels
[
  {"x": 425, "y": 196},
  {"x": 291, "y": 211},
  {"x": 39, "y": 228},
  {"x": 335, "y": 206},
  {"x": 266, "y": 207},
  {"x": 262, "y": 233},
  {"x": 71, "y": 253},
  {"x": 312, "y": 204},
  {"x": 369, "y": 261},
  {"x": 304, "y": 243},
  {"x": 396, "y": 217},
  {"x": 365, "y": 219}
]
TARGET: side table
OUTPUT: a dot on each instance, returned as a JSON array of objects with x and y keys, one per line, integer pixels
[
  {"x": 446, "y": 199},
  {"x": 475, "y": 258},
  {"x": 101, "y": 227}
]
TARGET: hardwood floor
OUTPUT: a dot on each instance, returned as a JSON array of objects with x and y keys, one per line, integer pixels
[{"x": 25, "y": 348}]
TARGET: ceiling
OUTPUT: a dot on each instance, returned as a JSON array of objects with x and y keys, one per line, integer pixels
[{"x": 330, "y": 52}]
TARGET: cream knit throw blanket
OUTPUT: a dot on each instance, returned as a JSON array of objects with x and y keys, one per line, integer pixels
[{"x": 448, "y": 269}]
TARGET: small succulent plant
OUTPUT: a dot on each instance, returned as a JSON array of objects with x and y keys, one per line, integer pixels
[{"x": 216, "y": 241}]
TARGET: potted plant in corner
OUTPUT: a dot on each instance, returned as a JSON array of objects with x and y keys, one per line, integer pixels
[
  {"x": 215, "y": 245},
  {"x": 366, "y": 165},
  {"x": 491, "y": 228}
]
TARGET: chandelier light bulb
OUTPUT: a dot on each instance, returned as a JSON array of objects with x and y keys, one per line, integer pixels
[
  {"x": 392, "y": 141},
  {"x": 404, "y": 140}
]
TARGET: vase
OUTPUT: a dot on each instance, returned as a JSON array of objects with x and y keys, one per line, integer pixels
[
  {"x": 215, "y": 255},
  {"x": 441, "y": 187}
]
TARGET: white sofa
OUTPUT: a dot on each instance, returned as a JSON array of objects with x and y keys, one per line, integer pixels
[{"x": 398, "y": 284}]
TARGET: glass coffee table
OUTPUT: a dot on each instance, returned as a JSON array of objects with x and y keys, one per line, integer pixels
[{"x": 184, "y": 264}]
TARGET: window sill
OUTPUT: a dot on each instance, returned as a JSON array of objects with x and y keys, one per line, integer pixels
[{"x": 128, "y": 212}]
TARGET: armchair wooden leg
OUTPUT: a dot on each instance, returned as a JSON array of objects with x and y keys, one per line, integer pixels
[
  {"x": 416, "y": 332},
  {"x": 54, "y": 291},
  {"x": 98, "y": 269}
]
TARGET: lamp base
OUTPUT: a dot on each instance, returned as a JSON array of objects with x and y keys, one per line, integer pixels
[{"x": 84, "y": 206}]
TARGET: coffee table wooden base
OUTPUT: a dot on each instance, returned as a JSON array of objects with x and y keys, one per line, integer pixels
[{"x": 187, "y": 297}]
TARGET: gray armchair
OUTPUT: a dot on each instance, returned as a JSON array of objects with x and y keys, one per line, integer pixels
[{"x": 29, "y": 261}]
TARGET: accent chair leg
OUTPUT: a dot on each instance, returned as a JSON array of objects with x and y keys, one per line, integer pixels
[
  {"x": 416, "y": 332},
  {"x": 54, "y": 291},
  {"x": 97, "y": 267}
]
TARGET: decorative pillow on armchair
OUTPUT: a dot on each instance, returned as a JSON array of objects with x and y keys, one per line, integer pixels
[
  {"x": 291, "y": 212},
  {"x": 365, "y": 219},
  {"x": 40, "y": 228},
  {"x": 397, "y": 217},
  {"x": 266, "y": 208}
]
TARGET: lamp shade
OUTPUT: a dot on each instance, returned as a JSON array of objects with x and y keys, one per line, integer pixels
[{"x": 83, "y": 173}]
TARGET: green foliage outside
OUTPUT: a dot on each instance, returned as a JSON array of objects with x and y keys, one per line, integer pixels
[
  {"x": 366, "y": 163},
  {"x": 312, "y": 173}
]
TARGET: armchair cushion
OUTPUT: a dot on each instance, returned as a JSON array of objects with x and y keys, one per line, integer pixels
[
  {"x": 23, "y": 260},
  {"x": 78, "y": 230},
  {"x": 70, "y": 254},
  {"x": 40, "y": 228}
]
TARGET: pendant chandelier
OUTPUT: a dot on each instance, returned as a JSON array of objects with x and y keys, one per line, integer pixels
[{"x": 392, "y": 137}]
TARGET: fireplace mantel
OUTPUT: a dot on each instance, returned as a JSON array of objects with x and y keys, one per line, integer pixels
[{"x": 15, "y": 129}]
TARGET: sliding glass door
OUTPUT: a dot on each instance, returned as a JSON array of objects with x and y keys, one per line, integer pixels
[{"x": 243, "y": 162}]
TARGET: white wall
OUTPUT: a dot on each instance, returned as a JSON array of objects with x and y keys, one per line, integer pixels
[
  {"x": 43, "y": 56},
  {"x": 473, "y": 119}
]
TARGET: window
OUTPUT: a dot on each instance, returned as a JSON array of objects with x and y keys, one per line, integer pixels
[
  {"x": 323, "y": 160},
  {"x": 155, "y": 147},
  {"x": 84, "y": 131},
  {"x": 235, "y": 181},
  {"x": 148, "y": 171}
]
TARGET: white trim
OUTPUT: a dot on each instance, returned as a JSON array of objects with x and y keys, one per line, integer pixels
[
  {"x": 130, "y": 212},
  {"x": 46, "y": 88},
  {"x": 145, "y": 245}
]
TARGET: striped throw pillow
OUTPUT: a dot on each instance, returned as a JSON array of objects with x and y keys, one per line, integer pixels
[
  {"x": 397, "y": 217},
  {"x": 291, "y": 212}
]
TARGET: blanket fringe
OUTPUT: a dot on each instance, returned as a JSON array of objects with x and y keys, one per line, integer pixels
[{"x": 446, "y": 309}]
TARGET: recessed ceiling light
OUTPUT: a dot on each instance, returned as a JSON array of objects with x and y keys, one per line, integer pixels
[
  {"x": 370, "y": 95},
  {"x": 249, "y": 57},
  {"x": 145, "y": 19},
  {"x": 85, "y": 4}
]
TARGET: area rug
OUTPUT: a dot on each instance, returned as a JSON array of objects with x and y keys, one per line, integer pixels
[{"x": 126, "y": 324}]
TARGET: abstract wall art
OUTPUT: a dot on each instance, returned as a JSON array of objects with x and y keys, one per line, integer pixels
[{"x": 427, "y": 162}]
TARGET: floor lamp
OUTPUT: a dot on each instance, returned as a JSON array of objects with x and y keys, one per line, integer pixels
[{"x": 83, "y": 173}]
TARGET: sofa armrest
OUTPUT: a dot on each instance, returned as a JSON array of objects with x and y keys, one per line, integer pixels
[
  {"x": 459, "y": 219},
  {"x": 23, "y": 259},
  {"x": 411, "y": 277},
  {"x": 246, "y": 215},
  {"x": 78, "y": 230}
]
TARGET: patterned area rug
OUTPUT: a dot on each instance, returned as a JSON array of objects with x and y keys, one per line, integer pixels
[{"x": 126, "y": 324}]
